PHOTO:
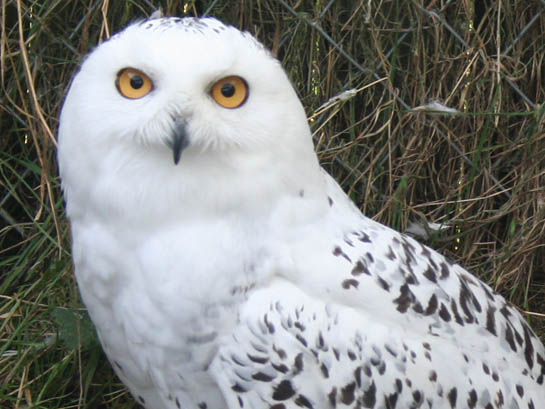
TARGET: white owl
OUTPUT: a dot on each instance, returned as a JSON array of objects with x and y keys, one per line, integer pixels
[{"x": 224, "y": 268}]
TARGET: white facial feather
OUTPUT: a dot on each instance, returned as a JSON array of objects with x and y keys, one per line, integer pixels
[
  {"x": 242, "y": 275},
  {"x": 109, "y": 136}
]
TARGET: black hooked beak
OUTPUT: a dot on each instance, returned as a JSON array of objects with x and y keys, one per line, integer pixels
[{"x": 179, "y": 140}]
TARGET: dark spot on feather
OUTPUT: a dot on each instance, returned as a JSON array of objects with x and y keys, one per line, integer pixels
[
  {"x": 347, "y": 393},
  {"x": 369, "y": 396},
  {"x": 330, "y": 201},
  {"x": 472, "y": 399},
  {"x": 280, "y": 367},
  {"x": 443, "y": 313},
  {"x": 280, "y": 352},
  {"x": 357, "y": 376},
  {"x": 288, "y": 322},
  {"x": 505, "y": 311},
  {"x": 360, "y": 268},
  {"x": 278, "y": 406},
  {"x": 518, "y": 338},
  {"x": 269, "y": 325},
  {"x": 451, "y": 396},
  {"x": 202, "y": 405},
  {"x": 364, "y": 238},
  {"x": 301, "y": 339},
  {"x": 260, "y": 376},
  {"x": 430, "y": 275},
  {"x": 236, "y": 388},
  {"x": 390, "y": 255},
  {"x": 417, "y": 395},
  {"x": 432, "y": 305},
  {"x": 283, "y": 391},
  {"x": 325, "y": 371},
  {"x": 302, "y": 193},
  {"x": 418, "y": 308},
  {"x": 486, "y": 369},
  {"x": 426, "y": 253},
  {"x": 298, "y": 363},
  {"x": 487, "y": 292},
  {"x": 433, "y": 376},
  {"x": 520, "y": 390},
  {"x": 336, "y": 353},
  {"x": 385, "y": 286},
  {"x": 445, "y": 272},
  {"x": 258, "y": 359},
  {"x": 454, "y": 308},
  {"x": 408, "y": 248},
  {"x": 490, "y": 320},
  {"x": 528, "y": 347},
  {"x": 260, "y": 348},
  {"x": 303, "y": 402},
  {"x": 321, "y": 343},
  {"x": 541, "y": 361},
  {"x": 337, "y": 251},
  {"x": 411, "y": 278},
  {"x": 332, "y": 396},
  {"x": 465, "y": 296},
  {"x": 405, "y": 299},
  {"x": 346, "y": 284},
  {"x": 237, "y": 361},
  {"x": 509, "y": 338},
  {"x": 500, "y": 400},
  {"x": 390, "y": 350},
  {"x": 391, "y": 400},
  {"x": 141, "y": 399}
]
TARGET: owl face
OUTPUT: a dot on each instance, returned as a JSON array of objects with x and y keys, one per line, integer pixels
[
  {"x": 173, "y": 105},
  {"x": 175, "y": 84}
]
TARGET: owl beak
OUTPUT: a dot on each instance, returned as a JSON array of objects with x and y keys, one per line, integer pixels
[{"x": 179, "y": 140}]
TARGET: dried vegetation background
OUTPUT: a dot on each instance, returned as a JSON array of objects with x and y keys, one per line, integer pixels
[{"x": 376, "y": 78}]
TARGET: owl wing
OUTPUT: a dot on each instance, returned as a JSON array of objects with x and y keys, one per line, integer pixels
[{"x": 377, "y": 320}]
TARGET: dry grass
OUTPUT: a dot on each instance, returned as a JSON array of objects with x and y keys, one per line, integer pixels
[{"x": 480, "y": 170}]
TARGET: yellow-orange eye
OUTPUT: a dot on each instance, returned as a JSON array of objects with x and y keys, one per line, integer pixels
[
  {"x": 133, "y": 83},
  {"x": 230, "y": 92}
]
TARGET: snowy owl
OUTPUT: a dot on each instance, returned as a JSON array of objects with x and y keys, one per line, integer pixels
[{"x": 224, "y": 268}]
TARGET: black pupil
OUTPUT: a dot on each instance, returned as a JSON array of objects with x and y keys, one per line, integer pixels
[
  {"x": 228, "y": 90},
  {"x": 137, "y": 81}
]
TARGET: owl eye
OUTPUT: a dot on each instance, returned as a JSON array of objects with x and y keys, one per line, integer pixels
[
  {"x": 133, "y": 83},
  {"x": 230, "y": 92}
]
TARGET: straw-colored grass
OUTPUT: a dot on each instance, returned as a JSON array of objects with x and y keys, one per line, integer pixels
[{"x": 478, "y": 169}]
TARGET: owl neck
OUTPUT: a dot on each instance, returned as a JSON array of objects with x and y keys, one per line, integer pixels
[{"x": 261, "y": 188}]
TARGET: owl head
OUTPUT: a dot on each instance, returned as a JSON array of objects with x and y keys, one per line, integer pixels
[{"x": 170, "y": 108}]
